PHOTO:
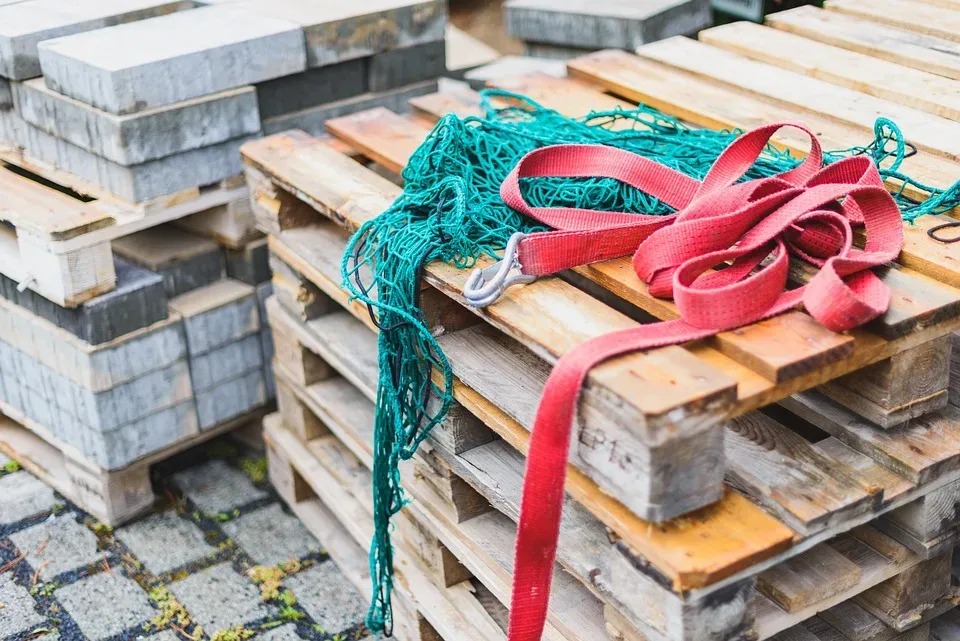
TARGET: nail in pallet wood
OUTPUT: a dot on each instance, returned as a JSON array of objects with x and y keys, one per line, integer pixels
[
  {"x": 25, "y": 25},
  {"x": 802, "y": 585},
  {"x": 113, "y": 497}
]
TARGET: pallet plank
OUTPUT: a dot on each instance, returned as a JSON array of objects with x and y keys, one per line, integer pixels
[
  {"x": 922, "y": 17},
  {"x": 907, "y": 48}
]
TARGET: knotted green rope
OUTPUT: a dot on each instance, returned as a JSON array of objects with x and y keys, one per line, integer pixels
[{"x": 450, "y": 210}]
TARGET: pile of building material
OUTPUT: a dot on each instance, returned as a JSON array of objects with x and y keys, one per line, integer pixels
[
  {"x": 568, "y": 28},
  {"x": 781, "y": 482}
]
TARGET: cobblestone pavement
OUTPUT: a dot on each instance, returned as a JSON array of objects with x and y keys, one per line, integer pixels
[{"x": 220, "y": 558}]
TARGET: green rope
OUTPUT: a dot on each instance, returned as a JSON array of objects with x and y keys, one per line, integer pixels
[{"x": 450, "y": 210}]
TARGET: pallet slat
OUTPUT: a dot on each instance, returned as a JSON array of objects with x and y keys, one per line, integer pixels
[{"x": 922, "y": 17}]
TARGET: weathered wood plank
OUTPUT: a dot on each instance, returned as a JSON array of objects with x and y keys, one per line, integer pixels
[
  {"x": 913, "y": 88},
  {"x": 912, "y": 596},
  {"x": 922, "y": 17},
  {"x": 907, "y": 48},
  {"x": 808, "y": 578}
]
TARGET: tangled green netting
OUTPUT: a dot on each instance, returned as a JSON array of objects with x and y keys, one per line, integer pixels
[{"x": 450, "y": 210}]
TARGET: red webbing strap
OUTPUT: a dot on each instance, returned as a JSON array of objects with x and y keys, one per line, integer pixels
[{"x": 807, "y": 212}]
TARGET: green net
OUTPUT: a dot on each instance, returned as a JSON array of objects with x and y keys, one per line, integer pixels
[{"x": 450, "y": 210}]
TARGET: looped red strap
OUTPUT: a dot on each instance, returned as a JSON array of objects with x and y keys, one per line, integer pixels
[{"x": 751, "y": 228}]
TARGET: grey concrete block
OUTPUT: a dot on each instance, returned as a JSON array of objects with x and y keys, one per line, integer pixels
[
  {"x": 328, "y": 597},
  {"x": 271, "y": 536},
  {"x": 147, "y": 135},
  {"x": 94, "y": 367},
  {"x": 186, "y": 261},
  {"x": 137, "y": 302},
  {"x": 225, "y": 363},
  {"x": 19, "y": 612},
  {"x": 216, "y": 487},
  {"x": 599, "y": 24},
  {"x": 24, "y": 25},
  {"x": 142, "y": 182},
  {"x": 509, "y": 66},
  {"x": 344, "y": 31},
  {"x": 316, "y": 86},
  {"x": 250, "y": 265},
  {"x": 553, "y": 52},
  {"x": 83, "y": 600},
  {"x": 63, "y": 545},
  {"x": 312, "y": 120},
  {"x": 264, "y": 292},
  {"x": 410, "y": 65},
  {"x": 165, "y": 542},
  {"x": 6, "y": 95},
  {"x": 217, "y": 314},
  {"x": 128, "y": 68},
  {"x": 23, "y": 495},
  {"x": 231, "y": 399},
  {"x": 218, "y": 598}
]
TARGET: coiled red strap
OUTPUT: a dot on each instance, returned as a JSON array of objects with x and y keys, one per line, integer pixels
[{"x": 808, "y": 212}]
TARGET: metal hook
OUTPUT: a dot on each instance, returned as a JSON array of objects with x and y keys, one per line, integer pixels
[
  {"x": 932, "y": 232},
  {"x": 485, "y": 286}
]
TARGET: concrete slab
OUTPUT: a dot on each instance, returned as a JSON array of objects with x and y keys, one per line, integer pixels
[
  {"x": 165, "y": 542},
  {"x": 23, "y": 495},
  {"x": 137, "y": 302},
  {"x": 57, "y": 546},
  {"x": 271, "y": 536},
  {"x": 226, "y": 363},
  {"x": 217, "y": 314},
  {"x": 24, "y": 25},
  {"x": 312, "y": 120},
  {"x": 604, "y": 24},
  {"x": 147, "y": 135},
  {"x": 125, "y": 69},
  {"x": 218, "y": 598},
  {"x": 401, "y": 67},
  {"x": 315, "y": 86},
  {"x": 84, "y": 601},
  {"x": 328, "y": 597},
  {"x": 231, "y": 399},
  {"x": 6, "y": 95},
  {"x": 344, "y": 31},
  {"x": 19, "y": 612},
  {"x": 186, "y": 261}
]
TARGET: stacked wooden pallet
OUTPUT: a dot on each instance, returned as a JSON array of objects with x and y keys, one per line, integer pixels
[
  {"x": 568, "y": 28},
  {"x": 779, "y": 481}
]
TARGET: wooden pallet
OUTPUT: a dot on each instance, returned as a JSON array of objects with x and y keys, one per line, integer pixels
[
  {"x": 114, "y": 497},
  {"x": 466, "y": 479},
  {"x": 56, "y": 240}
]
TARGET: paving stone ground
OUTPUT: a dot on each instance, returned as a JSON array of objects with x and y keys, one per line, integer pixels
[{"x": 192, "y": 569}]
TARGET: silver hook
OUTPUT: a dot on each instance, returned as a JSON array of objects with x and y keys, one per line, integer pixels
[{"x": 485, "y": 286}]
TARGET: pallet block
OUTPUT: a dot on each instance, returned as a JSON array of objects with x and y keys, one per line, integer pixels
[
  {"x": 335, "y": 33},
  {"x": 185, "y": 261},
  {"x": 232, "y": 224},
  {"x": 25, "y": 25},
  {"x": 125, "y": 69},
  {"x": 143, "y": 136},
  {"x": 856, "y": 624}
]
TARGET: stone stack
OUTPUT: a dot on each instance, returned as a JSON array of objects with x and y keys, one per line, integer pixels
[{"x": 569, "y": 28}]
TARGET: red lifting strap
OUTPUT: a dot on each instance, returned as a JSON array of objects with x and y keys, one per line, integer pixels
[{"x": 808, "y": 211}]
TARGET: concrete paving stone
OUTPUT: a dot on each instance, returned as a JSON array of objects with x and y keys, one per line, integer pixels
[
  {"x": 165, "y": 541},
  {"x": 4, "y": 459},
  {"x": 219, "y": 598},
  {"x": 226, "y": 363},
  {"x": 143, "y": 136},
  {"x": 24, "y": 25},
  {"x": 125, "y": 69},
  {"x": 218, "y": 314},
  {"x": 166, "y": 635},
  {"x": 106, "y": 604},
  {"x": 343, "y": 31},
  {"x": 142, "y": 182},
  {"x": 553, "y": 52},
  {"x": 19, "y": 613},
  {"x": 286, "y": 632},
  {"x": 63, "y": 545},
  {"x": 598, "y": 24},
  {"x": 312, "y": 120},
  {"x": 137, "y": 302},
  {"x": 23, "y": 495},
  {"x": 328, "y": 597},
  {"x": 316, "y": 86},
  {"x": 185, "y": 260},
  {"x": 264, "y": 291},
  {"x": 401, "y": 67},
  {"x": 271, "y": 536},
  {"x": 94, "y": 367},
  {"x": 6, "y": 95},
  {"x": 217, "y": 487},
  {"x": 251, "y": 264},
  {"x": 231, "y": 399}
]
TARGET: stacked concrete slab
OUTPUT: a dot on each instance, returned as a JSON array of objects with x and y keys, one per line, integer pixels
[{"x": 568, "y": 28}]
